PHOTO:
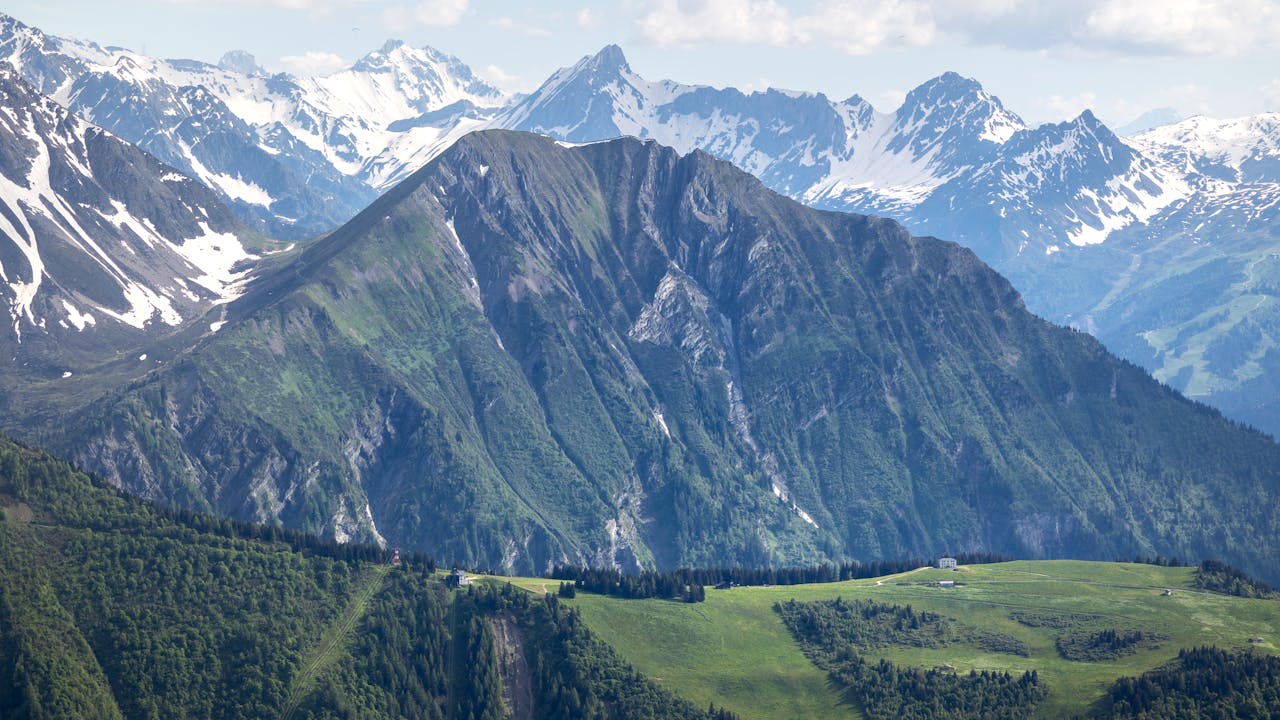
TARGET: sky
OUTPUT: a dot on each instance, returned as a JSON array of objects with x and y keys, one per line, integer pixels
[{"x": 1046, "y": 60}]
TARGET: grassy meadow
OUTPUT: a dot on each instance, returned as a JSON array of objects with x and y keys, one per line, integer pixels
[{"x": 733, "y": 649}]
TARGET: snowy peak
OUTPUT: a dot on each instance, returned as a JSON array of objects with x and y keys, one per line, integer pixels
[
  {"x": 954, "y": 109},
  {"x": 428, "y": 78},
  {"x": 239, "y": 61},
  {"x": 609, "y": 61},
  {"x": 1243, "y": 149}
]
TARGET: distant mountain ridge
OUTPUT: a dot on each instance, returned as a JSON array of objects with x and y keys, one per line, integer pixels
[{"x": 295, "y": 157}]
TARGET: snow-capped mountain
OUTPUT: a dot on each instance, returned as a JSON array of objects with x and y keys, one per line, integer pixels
[
  {"x": 293, "y": 156},
  {"x": 98, "y": 239},
  {"x": 951, "y": 160},
  {"x": 1046, "y": 189},
  {"x": 802, "y": 144},
  {"x": 1245, "y": 150}
]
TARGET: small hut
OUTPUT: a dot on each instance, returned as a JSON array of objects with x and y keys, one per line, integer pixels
[{"x": 457, "y": 579}]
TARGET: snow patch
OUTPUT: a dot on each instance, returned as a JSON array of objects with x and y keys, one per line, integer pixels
[
  {"x": 233, "y": 187},
  {"x": 81, "y": 321},
  {"x": 662, "y": 423},
  {"x": 215, "y": 254}
]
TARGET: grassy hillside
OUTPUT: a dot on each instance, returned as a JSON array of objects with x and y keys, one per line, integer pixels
[{"x": 735, "y": 651}]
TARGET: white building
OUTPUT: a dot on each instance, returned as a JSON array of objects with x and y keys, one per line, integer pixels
[{"x": 946, "y": 563}]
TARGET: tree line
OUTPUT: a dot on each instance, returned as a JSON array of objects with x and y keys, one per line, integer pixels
[{"x": 680, "y": 584}]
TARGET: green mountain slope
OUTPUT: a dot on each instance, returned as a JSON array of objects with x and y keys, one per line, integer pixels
[
  {"x": 110, "y": 608},
  {"x": 528, "y": 354}
]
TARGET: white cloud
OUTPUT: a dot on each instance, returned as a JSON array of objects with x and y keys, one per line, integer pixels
[
  {"x": 1068, "y": 108},
  {"x": 507, "y": 23},
  {"x": 312, "y": 63},
  {"x": 432, "y": 13},
  {"x": 855, "y": 26},
  {"x": 1271, "y": 95},
  {"x": 1170, "y": 27},
  {"x": 587, "y": 18},
  {"x": 720, "y": 21},
  {"x": 504, "y": 80},
  {"x": 314, "y": 6},
  {"x": 1185, "y": 27}
]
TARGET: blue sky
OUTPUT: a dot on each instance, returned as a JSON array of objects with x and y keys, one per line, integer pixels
[{"x": 1046, "y": 60}]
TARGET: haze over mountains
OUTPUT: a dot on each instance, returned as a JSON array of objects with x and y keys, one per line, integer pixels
[{"x": 630, "y": 353}]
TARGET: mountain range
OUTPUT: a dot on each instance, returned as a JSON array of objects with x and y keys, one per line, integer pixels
[
  {"x": 1097, "y": 231},
  {"x": 532, "y": 351},
  {"x": 615, "y": 354}
]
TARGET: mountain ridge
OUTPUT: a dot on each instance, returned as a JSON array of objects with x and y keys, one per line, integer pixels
[{"x": 589, "y": 353}]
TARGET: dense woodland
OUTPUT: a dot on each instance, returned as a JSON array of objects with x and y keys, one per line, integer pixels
[
  {"x": 112, "y": 608},
  {"x": 1202, "y": 683},
  {"x": 833, "y": 634}
]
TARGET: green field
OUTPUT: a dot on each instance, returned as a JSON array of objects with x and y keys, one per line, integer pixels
[{"x": 733, "y": 649}]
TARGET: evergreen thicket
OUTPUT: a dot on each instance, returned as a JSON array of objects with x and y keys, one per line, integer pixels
[
  {"x": 1222, "y": 578},
  {"x": 1202, "y": 684},
  {"x": 833, "y": 634},
  {"x": 1103, "y": 645}
]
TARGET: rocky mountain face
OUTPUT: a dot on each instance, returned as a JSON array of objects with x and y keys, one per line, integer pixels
[
  {"x": 1097, "y": 231},
  {"x": 617, "y": 354},
  {"x": 102, "y": 247}
]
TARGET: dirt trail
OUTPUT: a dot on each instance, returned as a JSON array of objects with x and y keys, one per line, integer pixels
[{"x": 517, "y": 687}]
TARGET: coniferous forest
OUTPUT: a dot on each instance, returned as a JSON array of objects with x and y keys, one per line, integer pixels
[
  {"x": 835, "y": 635},
  {"x": 1202, "y": 683},
  {"x": 113, "y": 608}
]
